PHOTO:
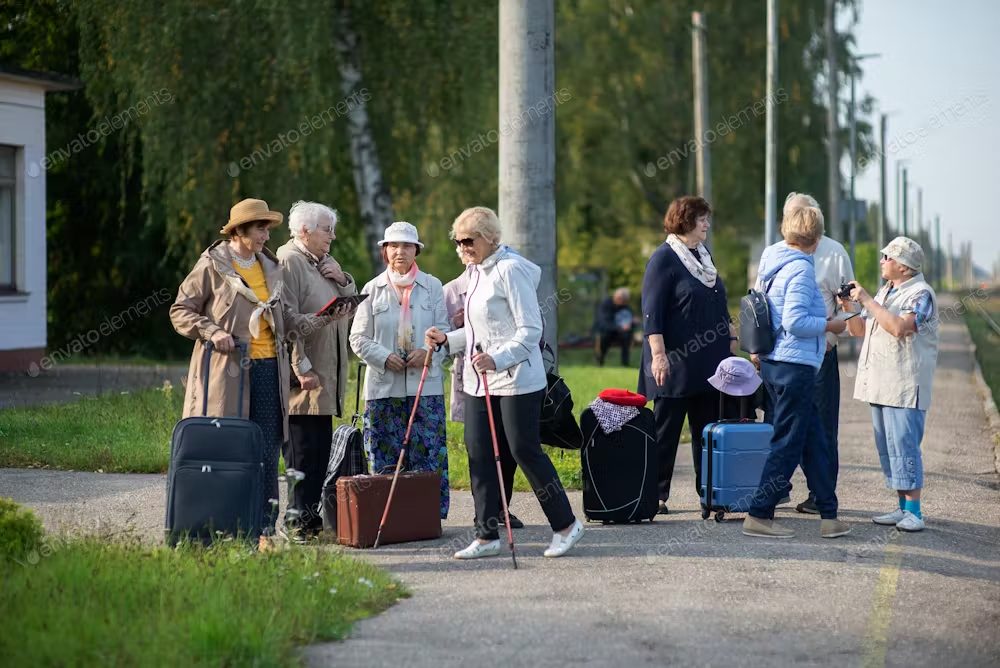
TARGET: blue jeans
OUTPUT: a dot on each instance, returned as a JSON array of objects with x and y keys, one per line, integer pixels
[
  {"x": 828, "y": 405},
  {"x": 898, "y": 433},
  {"x": 798, "y": 437}
]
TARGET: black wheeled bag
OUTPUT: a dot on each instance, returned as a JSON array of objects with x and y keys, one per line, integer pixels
[
  {"x": 215, "y": 483},
  {"x": 619, "y": 469},
  {"x": 347, "y": 458}
]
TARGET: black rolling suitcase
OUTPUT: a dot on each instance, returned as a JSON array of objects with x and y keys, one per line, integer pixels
[
  {"x": 347, "y": 458},
  {"x": 619, "y": 469},
  {"x": 215, "y": 484}
]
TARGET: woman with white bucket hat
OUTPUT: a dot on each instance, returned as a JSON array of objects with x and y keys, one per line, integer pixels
[{"x": 387, "y": 334}]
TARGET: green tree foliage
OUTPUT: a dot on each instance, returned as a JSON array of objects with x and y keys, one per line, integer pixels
[{"x": 224, "y": 83}]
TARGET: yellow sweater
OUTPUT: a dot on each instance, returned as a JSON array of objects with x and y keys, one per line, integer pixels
[{"x": 263, "y": 346}]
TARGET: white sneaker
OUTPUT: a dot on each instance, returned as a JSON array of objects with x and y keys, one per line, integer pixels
[
  {"x": 477, "y": 550},
  {"x": 560, "y": 544},
  {"x": 910, "y": 522},
  {"x": 889, "y": 518}
]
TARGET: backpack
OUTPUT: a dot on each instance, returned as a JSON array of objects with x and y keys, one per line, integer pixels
[{"x": 757, "y": 333}]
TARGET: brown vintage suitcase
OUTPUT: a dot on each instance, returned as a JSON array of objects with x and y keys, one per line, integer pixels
[{"x": 415, "y": 513}]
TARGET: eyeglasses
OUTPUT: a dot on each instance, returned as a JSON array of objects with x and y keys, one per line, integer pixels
[
  {"x": 465, "y": 243},
  {"x": 885, "y": 258},
  {"x": 325, "y": 230}
]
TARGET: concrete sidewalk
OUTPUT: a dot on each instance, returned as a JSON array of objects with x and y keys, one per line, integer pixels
[
  {"x": 685, "y": 592},
  {"x": 680, "y": 591}
]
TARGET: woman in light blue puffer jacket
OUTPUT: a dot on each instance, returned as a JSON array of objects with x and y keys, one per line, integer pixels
[{"x": 789, "y": 373}]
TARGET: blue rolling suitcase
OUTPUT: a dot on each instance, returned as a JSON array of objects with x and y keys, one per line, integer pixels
[
  {"x": 732, "y": 460},
  {"x": 215, "y": 484}
]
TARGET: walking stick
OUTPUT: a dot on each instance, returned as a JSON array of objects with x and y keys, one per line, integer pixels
[
  {"x": 496, "y": 457},
  {"x": 402, "y": 451}
]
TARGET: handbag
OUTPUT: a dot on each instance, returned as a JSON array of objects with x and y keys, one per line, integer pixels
[{"x": 559, "y": 427}]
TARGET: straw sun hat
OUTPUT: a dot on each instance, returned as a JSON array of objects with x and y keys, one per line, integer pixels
[{"x": 248, "y": 211}]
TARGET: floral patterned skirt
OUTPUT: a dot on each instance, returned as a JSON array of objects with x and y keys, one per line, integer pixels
[{"x": 385, "y": 428}]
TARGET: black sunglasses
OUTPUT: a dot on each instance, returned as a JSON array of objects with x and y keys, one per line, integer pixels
[{"x": 465, "y": 243}]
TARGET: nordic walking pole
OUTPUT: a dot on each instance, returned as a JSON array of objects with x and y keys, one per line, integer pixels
[
  {"x": 402, "y": 451},
  {"x": 496, "y": 457}
]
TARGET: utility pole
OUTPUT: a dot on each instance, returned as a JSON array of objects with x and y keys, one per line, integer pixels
[
  {"x": 920, "y": 211},
  {"x": 937, "y": 253},
  {"x": 771, "y": 167},
  {"x": 880, "y": 236},
  {"x": 906, "y": 213},
  {"x": 833, "y": 143},
  {"x": 527, "y": 206},
  {"x": 949, "y": 267},
  {"x": 852, "y": 215},
  {"x": 703, "y": 157}
]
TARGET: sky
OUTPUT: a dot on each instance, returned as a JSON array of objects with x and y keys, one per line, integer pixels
[{"x": 938, "y": 79}]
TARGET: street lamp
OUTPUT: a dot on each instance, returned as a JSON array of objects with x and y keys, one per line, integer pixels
[{"x": 853, "y": 218}]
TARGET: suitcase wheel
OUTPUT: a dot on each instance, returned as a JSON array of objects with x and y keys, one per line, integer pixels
[
  {"x": 705, "y": 512},
  {"x": 605, "y": 522},
  {"x": 720, "y": 516}
]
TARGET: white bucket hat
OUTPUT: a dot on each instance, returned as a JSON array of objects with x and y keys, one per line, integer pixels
[
  {"x": 401, "y": 233},
  {"x": 905, "y": 251}
]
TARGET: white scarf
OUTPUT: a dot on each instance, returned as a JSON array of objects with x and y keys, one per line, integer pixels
[{"x": 703, "y": 270}]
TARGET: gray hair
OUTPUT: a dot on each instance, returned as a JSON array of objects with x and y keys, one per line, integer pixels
[
  {"x": 623, "y": 293},
  {"x": 484, "y": 223},
  {"x": 796, "y": 200},
  {"x": 305, "y": 216}
]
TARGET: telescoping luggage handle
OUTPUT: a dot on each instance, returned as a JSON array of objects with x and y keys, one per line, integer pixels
[
  {"x": 357, "y": 397},
  {"x": 206, "y": 372},
  {"x": 709, "y": 482}
]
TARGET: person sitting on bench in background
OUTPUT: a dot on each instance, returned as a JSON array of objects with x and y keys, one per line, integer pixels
[{"x": 613, "y": 325}]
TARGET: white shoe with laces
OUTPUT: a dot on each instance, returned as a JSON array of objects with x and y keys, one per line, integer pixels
[
  {"x": 478, "y": 550},
  {"x": 889, "y": 519},
  {"x": 561, "y": 544},
  {"x": 910, "y": 522}
]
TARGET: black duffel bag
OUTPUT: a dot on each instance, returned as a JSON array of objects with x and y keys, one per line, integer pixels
[{"x": 559, "y": 427}]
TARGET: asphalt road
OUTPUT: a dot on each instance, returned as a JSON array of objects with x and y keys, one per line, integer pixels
[{"x": 680, "y": 591}]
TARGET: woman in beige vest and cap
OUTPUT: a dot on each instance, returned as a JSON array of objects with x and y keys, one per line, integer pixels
[{"x": 896, "y": 371}]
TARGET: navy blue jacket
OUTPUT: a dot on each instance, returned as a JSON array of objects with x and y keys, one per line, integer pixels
[{"x": 694, "y": 321}]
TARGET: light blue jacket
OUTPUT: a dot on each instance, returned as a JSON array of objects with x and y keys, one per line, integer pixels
[{"x": 797, "y": 306}]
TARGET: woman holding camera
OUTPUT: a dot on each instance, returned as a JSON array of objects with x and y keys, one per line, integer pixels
[{"x": 896, "y": 372}]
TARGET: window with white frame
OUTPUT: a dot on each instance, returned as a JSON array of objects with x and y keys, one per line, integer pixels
[{"x": 8, "y": 189}]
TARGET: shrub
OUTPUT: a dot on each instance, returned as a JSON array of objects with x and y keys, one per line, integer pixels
[{"x": 20, "y": 530}]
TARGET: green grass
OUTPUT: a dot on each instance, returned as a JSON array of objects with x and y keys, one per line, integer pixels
[
  {"x": 987, "y": 344},
  {"x": 130, "y": 433},
  {"x": 89, "y": 602}
]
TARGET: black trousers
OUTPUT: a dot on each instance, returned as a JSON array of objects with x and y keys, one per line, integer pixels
[
  {"x": 517, "y": 425},
  {"x": 308, "y": 450},
  {"x": 615, "y": 337},
  {"x": 700, "y": 409}
]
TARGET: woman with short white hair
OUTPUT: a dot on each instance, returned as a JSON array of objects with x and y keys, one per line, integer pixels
[
  {"x": 319, "y": 356},
  {"x": 500, "y": 338},
  {"x": 789, "y": 375}
]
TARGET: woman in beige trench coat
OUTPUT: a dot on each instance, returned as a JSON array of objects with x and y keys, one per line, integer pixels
[{"x": 234, "y": 292}]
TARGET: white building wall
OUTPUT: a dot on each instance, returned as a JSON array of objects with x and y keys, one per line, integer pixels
[{"x": 22, "y": 124}]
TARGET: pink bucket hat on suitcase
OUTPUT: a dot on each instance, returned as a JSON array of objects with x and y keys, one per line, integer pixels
[{"x": 736, "y": 377}]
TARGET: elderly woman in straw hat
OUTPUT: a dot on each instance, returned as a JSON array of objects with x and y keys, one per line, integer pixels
[
  {"x": 319, "y": 356},
  {"x": 387, "y": 334},
  {"x": 233, "y": 293}
]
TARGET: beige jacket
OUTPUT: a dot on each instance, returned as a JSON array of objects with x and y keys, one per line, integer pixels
[
  {"x": 318, "y": 344},
  {"x": 207, "y": 301}
]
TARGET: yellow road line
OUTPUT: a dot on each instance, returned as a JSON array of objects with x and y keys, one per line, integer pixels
[{"x": 877, "y": 638}]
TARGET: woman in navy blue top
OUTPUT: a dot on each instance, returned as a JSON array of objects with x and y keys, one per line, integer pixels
[{"x": 687, "y": 332}]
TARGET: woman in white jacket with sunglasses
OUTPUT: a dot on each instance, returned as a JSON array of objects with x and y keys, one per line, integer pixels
[{"x": 503, "y": 328}]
